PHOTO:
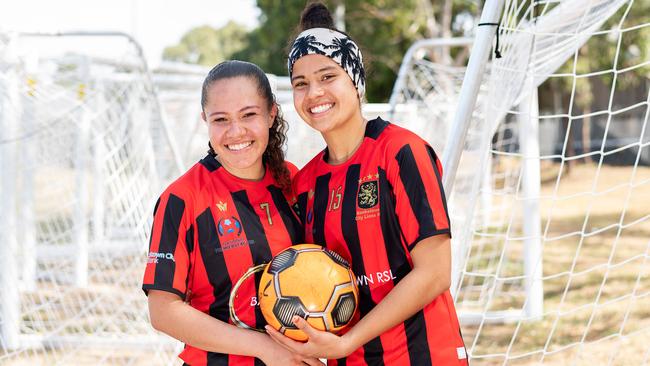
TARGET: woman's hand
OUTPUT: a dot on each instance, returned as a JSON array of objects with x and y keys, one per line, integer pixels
[
  {"x": 277, "y": 355},
  {"x": 430, "y": 276},
  {"x": 319, "y": 345},
  {"x": 170, "y": 314}
]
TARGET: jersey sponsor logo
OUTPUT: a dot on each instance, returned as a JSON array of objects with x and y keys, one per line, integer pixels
[
  {"x": 379, "y": 277},
  {"x": 234, "y": 243},
  {"x": 153, "y": 257},
  {"x": 230, "y": 225}
]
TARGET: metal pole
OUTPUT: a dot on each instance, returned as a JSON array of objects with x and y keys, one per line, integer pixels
[
  {"x": 530, "y": 191},
  {"x": 99, "y": 156},
  {"x": 469, "y": 92},
  {"x": 81, "y": 152},
  {"x": 27, "y": 222},
  {"x": 9, "y": 121}
]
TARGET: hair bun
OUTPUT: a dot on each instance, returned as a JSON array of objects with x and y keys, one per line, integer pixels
[{"x": 316, "y": 15}]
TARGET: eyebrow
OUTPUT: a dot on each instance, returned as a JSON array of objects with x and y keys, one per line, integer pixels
[
  {"x": 241, "y": 110},
  {"x": 326, "y": 68}
]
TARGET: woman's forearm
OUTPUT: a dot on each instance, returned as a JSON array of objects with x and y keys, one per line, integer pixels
[
  {"x": 170, "y": 315},
  {"x": 429, "y": 277}
]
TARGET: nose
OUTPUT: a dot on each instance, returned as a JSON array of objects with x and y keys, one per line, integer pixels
[
  {"x": 236, "y": 129},
  {"x": 315, "y": 90}
]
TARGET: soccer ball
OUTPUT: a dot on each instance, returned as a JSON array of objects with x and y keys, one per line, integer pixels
[{"x": 312, "y": 282}]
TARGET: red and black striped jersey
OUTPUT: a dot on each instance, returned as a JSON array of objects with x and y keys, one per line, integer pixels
[
  {"x": 209, "y": 228},
  {"x": 373, "y": 210}
]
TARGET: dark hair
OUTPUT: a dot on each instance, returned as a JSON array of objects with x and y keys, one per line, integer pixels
[
  {"x": 273, "y": 155},
  {"x": 316, "y": 15}
]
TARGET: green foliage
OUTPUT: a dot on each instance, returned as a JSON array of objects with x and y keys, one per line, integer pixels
[
  {"x": 384, "y": 29},
  {"x": 267, "y": 45},
  {"x": 597, "y": 61},
  {"x": 208, "y": 46}
]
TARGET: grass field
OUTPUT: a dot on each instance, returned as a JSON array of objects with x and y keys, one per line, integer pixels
[{"x": 596, "y": 267}]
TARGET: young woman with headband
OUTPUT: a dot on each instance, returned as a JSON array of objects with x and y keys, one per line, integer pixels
[{"x": 375, "y": 196}]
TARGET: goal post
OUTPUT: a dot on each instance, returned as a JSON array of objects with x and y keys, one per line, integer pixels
[
  {"x": 550, "y": 248},
  {"x": 83, "y": 152},
  {"x": 10, "y": 304}
]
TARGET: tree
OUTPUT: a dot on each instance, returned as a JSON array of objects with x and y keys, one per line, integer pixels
[
  {"x": 599, "y": 59},
  {"x": 384, "y": 29},
  {"x": 267, "y": 44},
  {"x": 208, "y": 46}
]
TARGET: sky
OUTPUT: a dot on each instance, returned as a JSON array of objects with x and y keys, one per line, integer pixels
[{"x": 155, "y": 24}]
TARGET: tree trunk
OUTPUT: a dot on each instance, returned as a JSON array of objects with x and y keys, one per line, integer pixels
[
  {"x": 431, "y": 24},
  {"x": 446, "y": 31},
  {"x": 556, "y": 92},
  {"x": 586, "y": 134},
  {"x": 339, "y": 15}
]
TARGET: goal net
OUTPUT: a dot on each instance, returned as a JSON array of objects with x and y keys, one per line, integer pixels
[
  {"x": 549, "y": 206},
  {"x": 82, "y": 156}
]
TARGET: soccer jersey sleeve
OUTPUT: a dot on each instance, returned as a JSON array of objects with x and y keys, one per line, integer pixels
[
  {"x": 416, "y": 176},
  {"x": 168, "y": 258}
]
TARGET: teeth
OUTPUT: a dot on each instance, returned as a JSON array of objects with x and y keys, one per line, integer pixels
[
  {"x": 321, "y": 108},
  {"x": 237, "y": 147}
]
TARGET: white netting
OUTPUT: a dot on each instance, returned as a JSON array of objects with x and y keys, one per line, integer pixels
[
  {"x": 549, "y": 208},
  {"x": 550, "y": 214},
  {"x": 82, "y": 153}
]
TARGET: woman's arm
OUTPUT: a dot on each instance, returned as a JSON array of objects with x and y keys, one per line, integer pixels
[
  {"x": 430, "y": 276},
  {"x": 171, "y": 315}
]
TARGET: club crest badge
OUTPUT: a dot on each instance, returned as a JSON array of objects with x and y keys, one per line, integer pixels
[
  {"x": 229, "y": 226},
  {"x": 367, "y": 196}
]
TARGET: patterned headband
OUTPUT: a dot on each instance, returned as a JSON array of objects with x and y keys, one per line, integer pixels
[{"x": 335, "y": 45}]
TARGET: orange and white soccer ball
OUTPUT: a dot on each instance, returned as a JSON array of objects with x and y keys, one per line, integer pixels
[{"x": 312, "y": 282}]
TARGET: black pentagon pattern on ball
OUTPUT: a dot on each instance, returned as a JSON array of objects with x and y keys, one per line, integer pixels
[
  {"x": 336, "y": 257},
  {"x": 343, "y": 310},
  {"x": 283, "y": 261},
  {"x": 286, "y": 307}
]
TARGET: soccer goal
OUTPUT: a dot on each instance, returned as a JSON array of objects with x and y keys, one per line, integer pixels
[
  {"x": 83, "y": 151},
  {"x": 550, "y": 179}
]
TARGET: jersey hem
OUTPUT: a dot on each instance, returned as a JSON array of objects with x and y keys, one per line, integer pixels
[
  {"x": 428, "y": 235},
  {"x": 146, "y": 289}
]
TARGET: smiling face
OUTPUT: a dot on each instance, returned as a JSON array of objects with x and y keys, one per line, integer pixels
[
  {"x": 238, "y": 119},
  {"x": 324, "y": 95}
]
